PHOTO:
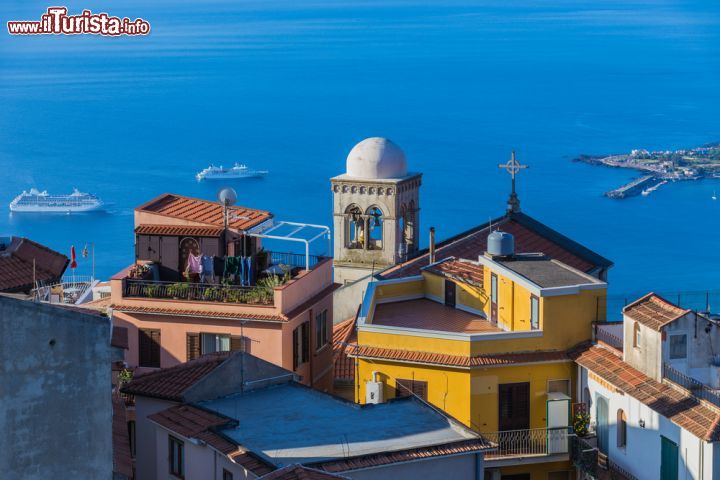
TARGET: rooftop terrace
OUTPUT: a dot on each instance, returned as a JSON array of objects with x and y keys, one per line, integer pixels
[{"x": 429, "y": 315}]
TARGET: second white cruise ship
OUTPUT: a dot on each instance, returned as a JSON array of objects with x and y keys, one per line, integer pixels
[{"x": 238, "y": 171}]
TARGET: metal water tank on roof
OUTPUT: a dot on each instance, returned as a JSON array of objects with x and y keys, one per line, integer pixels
[{"x": 501, "y": 244}]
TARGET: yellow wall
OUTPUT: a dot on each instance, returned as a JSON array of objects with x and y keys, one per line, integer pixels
[
  {"x": 471, "y": 396},
  {"x": 484, "y": 389},
  {"x": 448, "y": 389}
]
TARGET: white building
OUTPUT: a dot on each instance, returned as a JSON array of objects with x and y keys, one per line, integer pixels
[{"x": 647, "y": 421}]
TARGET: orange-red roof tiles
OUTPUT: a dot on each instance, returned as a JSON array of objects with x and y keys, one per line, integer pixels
[
  {"x": 530, "y": 237},
  {"x": 204, "y": 211},
  {"x": 171, "y": 383},
  {"x": 461, "y": 361},
  {"x": 375, "y": 460},
  {"x": 698, "y": 418},
  {"x": 654, "y": 311},
  {"x": 179, "y": 230},
  {"x": 462, "y": 270},
  {"x": 122, "y": 458},
  {"x": 186, "y": 312},
  {"x": 23, "y": 262},
  {"x": 299, "y": 472},
  {"x": 343, "y": 334}
]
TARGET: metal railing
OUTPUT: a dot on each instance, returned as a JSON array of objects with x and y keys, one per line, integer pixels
[
  {"x": 203, "y": 292},
  {"x": 292, "y": 259},
  {"x": 695, "y": 387},
  {"x": 584, "y": 456},
  {"x": 533, "y": 441}
]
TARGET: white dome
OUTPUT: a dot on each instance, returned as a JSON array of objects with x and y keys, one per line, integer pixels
[{"x": 376, "y": 157}]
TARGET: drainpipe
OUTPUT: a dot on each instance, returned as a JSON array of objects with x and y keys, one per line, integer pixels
[{"x": 432, "y": 245}]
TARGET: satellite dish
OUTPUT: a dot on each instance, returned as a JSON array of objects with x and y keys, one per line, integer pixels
[{"x": 227, "y": 197}]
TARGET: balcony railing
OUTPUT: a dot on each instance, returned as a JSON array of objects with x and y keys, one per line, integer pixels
[
  {"x": 529, "y": 442},
  {"x": 293, "y": 259},
  {"x": 202, "y": 292},
  {"x": 695, "y": 387},
  {"x": 588, "y": 460}
]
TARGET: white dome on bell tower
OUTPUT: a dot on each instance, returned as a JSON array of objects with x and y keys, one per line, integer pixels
[{"x": 376, "y": 158}]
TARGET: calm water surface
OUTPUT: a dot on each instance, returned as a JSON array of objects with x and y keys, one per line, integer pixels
[{"x": 292, "y": 86}]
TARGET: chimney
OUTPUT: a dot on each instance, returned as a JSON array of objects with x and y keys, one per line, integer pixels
[{"x": 432, "y": 244}]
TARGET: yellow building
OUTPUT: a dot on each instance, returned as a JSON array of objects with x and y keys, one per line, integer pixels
[{"x": 485, "y": 340}]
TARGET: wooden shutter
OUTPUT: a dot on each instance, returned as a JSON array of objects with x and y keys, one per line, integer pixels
[
  {"x": 210, "y": 246},
  {"x": 295, "y": 342},
  {"x": 419, "y": 389},
  {"x": 305, "y": 342},
  {"x": 149, "y": 347},
  {"x": 239, "y": 344},
  {"x": 193, "y": 346}
]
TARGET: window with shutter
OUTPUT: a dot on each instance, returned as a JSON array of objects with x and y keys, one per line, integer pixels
[
  {"x": 321, "y": 330},
  {"x": 239, "y": 344},
  {"x": 193, "y": 346},
  {"x": 296, "y": 348},
  {"x": 405, "y": 388},
  {"x": 305, "y": 329},
  {"x": 149, "y": 347}
]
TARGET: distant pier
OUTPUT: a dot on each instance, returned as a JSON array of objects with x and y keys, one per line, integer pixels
[{"x": 634, "y": 187}]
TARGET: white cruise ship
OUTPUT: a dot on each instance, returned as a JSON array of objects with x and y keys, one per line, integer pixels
[
  {"x": 238, "y": 171},
  {"x": 42, "y": 202}
]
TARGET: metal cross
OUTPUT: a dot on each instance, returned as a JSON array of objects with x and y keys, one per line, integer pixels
[{"x": 513, "y": 167}]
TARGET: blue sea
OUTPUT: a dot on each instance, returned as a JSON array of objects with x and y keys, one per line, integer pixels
[{"x": 291, "y": 86}]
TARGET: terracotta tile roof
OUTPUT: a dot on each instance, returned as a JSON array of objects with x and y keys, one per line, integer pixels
[
  {"x": 299, "y": 472},
  {"x": 179, "y": 230},
  {"x": 654, "y": 311},
  {"x": 119, "y": 337},
  {"x": 379, "y": 459},
  {"x": 192, "y": 422},
  {"x": 530, "y": 236},
  {"x": 429, "y": 315},
  {"x": 122, "y": 459},
  {"x": 699, "y": 418},
  {"x": 461, "y": 361},
  {"x": 204, "y": 211},
  {"x": 171, "y": 383},
  {"x": 344, "y": 333},
  {"x": 462, "y": 270},
  {"x": 101, "y": 304},
  {"x": 16, "y": 265},
  {"x": 186, "y": 312}
]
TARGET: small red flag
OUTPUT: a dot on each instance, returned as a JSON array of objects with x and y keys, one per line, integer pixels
[{"x": 73, "y": 258}]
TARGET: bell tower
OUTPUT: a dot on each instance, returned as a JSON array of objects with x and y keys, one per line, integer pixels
[{"x": 376, "y": 207}]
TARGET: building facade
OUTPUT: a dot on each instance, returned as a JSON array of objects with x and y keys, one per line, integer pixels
[
  {"x": 277, "y": 305},
  {"x": 55, "y": 399},
  {"x": 485, "y": 340},
  {"x": 653, "y": 400},
  {"x": 219, "y": 424}
]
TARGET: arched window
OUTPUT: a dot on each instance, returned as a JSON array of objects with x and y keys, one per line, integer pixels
[
  {"x": 409, "y": 230},
  {"x": 375, "y": 228},
  {"x": 188, "y": 246},
  {"x": 621, "y": 429},
  {"x": 636, "y": 335},
  {"x": 354, "y": 227}
]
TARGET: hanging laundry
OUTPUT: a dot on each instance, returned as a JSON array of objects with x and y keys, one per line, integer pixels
[
  {"x": 232, "y": 266},
  {"x": 219, "y": 265},
  {"x": 207, "y": 269},
  {"x": 243, "y": 277},
  {"x": 248, "y": 271},
  {"x": 193, "y": 264}
]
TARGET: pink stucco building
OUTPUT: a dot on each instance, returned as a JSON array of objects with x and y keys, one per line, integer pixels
[{"x": 275, "y": 305}]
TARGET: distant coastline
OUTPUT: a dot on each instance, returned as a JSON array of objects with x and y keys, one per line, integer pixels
[{"x": 659, "y": 167}]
